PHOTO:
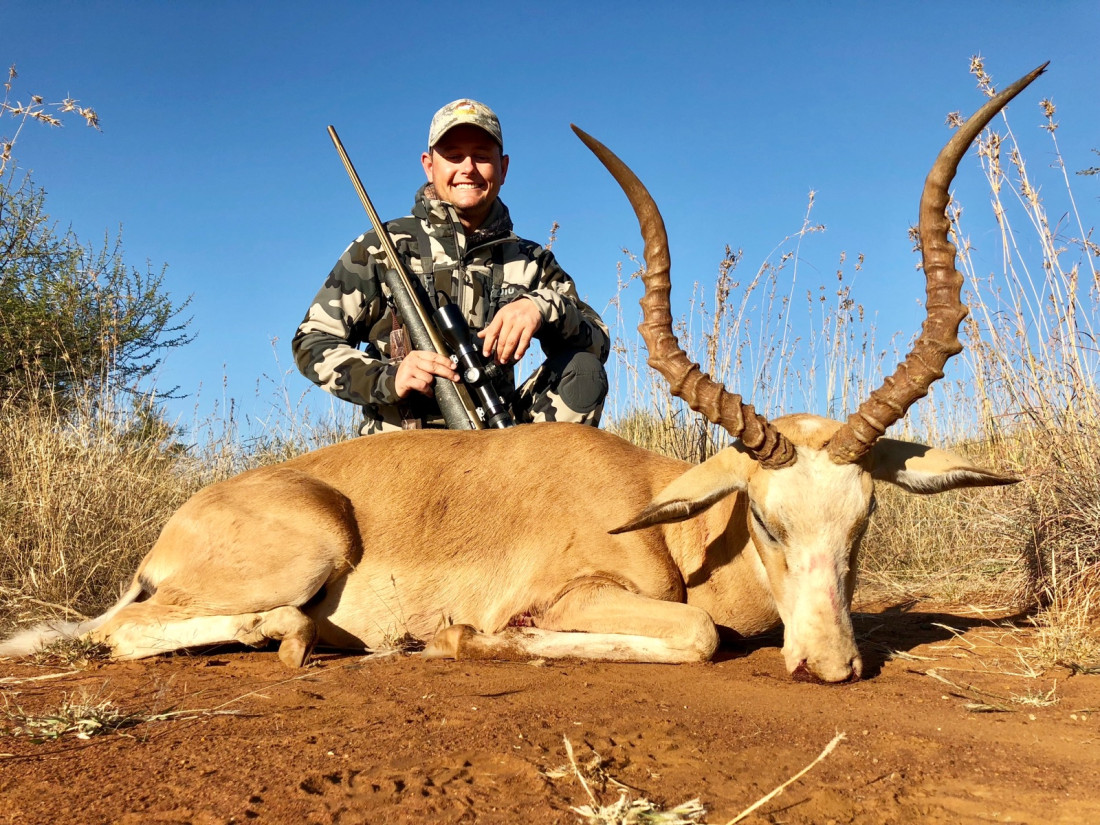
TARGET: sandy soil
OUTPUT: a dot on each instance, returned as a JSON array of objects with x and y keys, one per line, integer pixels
[{"x": 400, "y": 739}]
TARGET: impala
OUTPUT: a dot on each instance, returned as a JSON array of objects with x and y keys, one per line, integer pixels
[{"x": 559, "y": 540}]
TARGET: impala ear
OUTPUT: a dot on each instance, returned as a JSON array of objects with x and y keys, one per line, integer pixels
[
  {"x": 697, "y": 489},
  {"x": 921, "y": 469}
]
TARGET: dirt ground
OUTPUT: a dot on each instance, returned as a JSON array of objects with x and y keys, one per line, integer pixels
[{"x": 400, "y": 739}]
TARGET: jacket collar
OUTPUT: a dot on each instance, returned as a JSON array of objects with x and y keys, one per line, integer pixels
[{"x": 498, "y": 223}]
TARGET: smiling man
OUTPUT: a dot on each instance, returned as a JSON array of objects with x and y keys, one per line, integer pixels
[{"x": 459, "y": 242}]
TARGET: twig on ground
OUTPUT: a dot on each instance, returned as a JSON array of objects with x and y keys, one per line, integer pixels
[
  {"x": 577, "y": 771},
  {"x": 836, "y": 740},
  {"x": 999, "y": 703},
  {"x": 15, "y": 680},
  {"x": 259, "y": 691}
]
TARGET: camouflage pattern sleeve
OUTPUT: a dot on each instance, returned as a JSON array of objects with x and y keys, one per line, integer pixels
[
  {"x": 568, "y": 322},
  {"x": 341, "y": 316}
]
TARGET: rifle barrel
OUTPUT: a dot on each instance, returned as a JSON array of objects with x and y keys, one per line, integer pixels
[{"x": 454, "y": 400}]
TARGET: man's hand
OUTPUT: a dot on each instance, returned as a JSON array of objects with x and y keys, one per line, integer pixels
[
  {"x": 511, "y": 331},
  {"x": 416, "y": 371}
]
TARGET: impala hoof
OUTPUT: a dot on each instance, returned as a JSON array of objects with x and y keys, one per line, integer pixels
[
  {"x": 294, "y": 650},
  {"x": 448, "y": 641}
]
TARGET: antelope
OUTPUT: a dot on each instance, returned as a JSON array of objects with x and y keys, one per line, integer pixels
[{"x": 561, "y": 540}]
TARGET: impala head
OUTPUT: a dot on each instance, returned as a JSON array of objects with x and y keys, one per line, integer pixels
[{"x": 809, "y": 482}]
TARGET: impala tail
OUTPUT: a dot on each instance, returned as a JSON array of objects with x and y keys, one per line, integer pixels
[{"x": 33, "y": 639}]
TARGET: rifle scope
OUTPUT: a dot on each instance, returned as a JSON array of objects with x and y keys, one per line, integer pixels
[{"x": 476, "y": 374}]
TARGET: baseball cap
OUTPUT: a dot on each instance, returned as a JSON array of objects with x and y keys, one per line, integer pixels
[{"x": 462, "y": 111}]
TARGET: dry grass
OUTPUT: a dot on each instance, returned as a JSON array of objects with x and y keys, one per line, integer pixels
[
  {"x": 82, "y": 497},
  {"x": 80, "y": 716},
  {"x": 1033, "y": 368},
  {"x": 67, "y": 652},
  {"x": 630, "y": 808},
  {"x": 84, "y": 492},
  {"x": 83, "y": 715}
]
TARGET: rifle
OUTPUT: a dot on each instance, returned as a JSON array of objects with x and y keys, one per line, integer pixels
[{"x": 447, "y": 334}]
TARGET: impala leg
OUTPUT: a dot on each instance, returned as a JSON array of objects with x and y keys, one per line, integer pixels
[
  {"x": 147, "y": 629},
  {"x": 601, "y": 621}
]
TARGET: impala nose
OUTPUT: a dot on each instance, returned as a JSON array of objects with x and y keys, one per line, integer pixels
[{"x": 851, "y": 671}]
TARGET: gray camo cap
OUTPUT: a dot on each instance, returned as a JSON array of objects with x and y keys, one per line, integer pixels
[{"x": 462, "y": 111}]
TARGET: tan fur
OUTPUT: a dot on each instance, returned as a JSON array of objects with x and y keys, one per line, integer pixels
[{"x": 502, "y": 539}]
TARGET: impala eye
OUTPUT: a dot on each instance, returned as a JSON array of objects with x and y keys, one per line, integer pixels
[
  {"x": 872, "y": 506},
  {"x": 762, "y": 526}
]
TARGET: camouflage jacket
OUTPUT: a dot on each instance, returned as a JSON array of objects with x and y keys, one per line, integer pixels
[{"x": 479, "y": 271}]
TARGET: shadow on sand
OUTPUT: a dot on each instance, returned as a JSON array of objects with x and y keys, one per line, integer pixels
[{"x": 881, "y": 632}]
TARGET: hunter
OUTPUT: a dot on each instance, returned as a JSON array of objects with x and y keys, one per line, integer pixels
[{"x": 459, "y": 243}]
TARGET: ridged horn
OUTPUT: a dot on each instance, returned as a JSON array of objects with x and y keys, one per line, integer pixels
[
  {"x": 939, "y": 337},
  {"x": 698, "y": 390}
]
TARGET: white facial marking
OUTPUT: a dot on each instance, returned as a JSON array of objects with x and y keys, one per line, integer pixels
[{"x": 813, "y": 507}]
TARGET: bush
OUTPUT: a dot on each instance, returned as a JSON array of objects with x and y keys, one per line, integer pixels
[{"x": 73, "y": 317}]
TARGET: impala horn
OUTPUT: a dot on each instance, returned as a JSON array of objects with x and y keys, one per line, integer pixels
[
  {"x": 939, "y": 337},
  {"x": 698, "y": 390}
]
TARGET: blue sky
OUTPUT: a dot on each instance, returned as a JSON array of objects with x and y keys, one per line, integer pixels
[{"x": 214, "y": 157}]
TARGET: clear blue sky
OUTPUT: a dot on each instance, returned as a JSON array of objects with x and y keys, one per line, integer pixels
[{"x": 214, "y": 158}]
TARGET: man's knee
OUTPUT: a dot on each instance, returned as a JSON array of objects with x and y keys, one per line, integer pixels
[
  {"x": 583, "y": 383},
  {"x": 568, "y": 387}
]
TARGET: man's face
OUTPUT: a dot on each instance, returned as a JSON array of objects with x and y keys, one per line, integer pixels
[{"x": 467, "y": 168}]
